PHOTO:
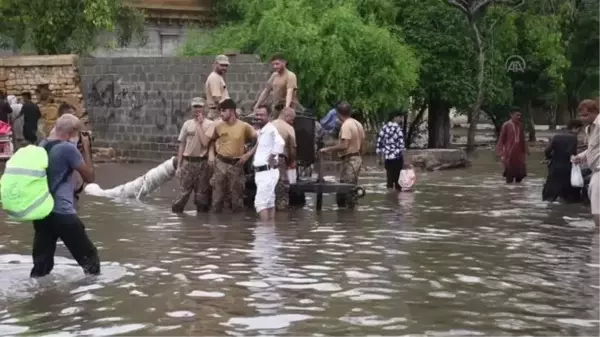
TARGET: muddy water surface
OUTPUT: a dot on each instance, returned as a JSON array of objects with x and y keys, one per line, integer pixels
[{"x": 464, "y": 254}]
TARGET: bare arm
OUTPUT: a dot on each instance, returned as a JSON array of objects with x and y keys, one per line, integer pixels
[
  {"x": 261, "y": 98},
  {"x": 289, "y": 94},
  {"x": 202, "y": 134},
  {"x": 341, "y": 146},
  {"x": 180, "y": 153}
]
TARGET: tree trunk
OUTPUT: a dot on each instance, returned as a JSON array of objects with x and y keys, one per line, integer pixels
[
  {"x": 414, "y": 125},
  {"x": 438, "y": 124},
  {"x": 480, "y": 90},
  {"x": 405, "y": 125},
  {"x": 531, "y": 124},
  {"x": 552, "y": 116}
]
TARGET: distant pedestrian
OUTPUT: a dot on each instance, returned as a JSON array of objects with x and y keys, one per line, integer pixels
[
  {"x": 351, "y": 147},
  {"x": 5, "y": 109},
  {"x": 390, "y": 146},
  {"x": 31, "y": 116},
  {"x": 192, "y": 160},
  {"x": 512, "y": 148},
  {"x": 559, "y": 151},
  {"x": 215, "y": 87}
]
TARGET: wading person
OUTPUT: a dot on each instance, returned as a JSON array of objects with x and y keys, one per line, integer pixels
[
  {"x": 230, "y": 136},
  {"x": 63, "y": 223},
  {"x": 512, "y": 148},
  {"x": 270, "y": 145},
  {"x": 351, "y": 147},
  {"x": 192, "y": 160},
  {"x": 282, "y": 85},
  {"x": 31, "y": 115},
  {"x": 588, "y": 114},
  {"x": 559, "y": 151},
  {"x": 215, "y": 87},
  {"x": 5, "y": 109},
  {"x": 287, "y": 160},
  {"x": 390, "y": 146}
]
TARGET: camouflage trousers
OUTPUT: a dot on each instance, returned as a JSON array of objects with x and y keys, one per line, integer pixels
[
  {"x": 193, "y": 177},
  {"x": 228, "y": 182},
  {"x": 282, "y": 189},
  {"x": 349, "y": 173}
]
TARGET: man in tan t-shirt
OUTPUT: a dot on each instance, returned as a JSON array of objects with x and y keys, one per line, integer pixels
[
  {"x": 215, "y": 87},
  {"x": 351, "y": 146},
  {"x": 287, "y": 161},
  {"x": 192, "y": 160},
  {"x": 282, "y": 85},
  {"x": 230, "y": 137}
]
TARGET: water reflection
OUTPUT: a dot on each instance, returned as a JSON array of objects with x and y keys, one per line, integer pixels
[{"x": 462, "y": 254}]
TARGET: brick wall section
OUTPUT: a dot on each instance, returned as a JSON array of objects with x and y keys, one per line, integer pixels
[
  {"x": 138, "y": 105},
  {"x": 57, "y": 75}
]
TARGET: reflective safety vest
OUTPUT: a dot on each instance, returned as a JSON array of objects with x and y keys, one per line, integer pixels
[{"x": 24, "y": 190}]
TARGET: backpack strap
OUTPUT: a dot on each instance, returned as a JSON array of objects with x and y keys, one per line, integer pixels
[{"x": 48, "y": 146}]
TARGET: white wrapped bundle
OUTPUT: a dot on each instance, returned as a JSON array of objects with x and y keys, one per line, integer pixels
[{"x": 139, "y": 187}]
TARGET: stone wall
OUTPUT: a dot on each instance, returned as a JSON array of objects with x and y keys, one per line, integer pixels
[
  {"x": 138, "y": 105},
  {"x": 57, "y": 76}
]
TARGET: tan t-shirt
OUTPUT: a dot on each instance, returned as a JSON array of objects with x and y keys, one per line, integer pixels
[
  {"x": 215, "y": 86},
  {"x": 193, "y": 145},
  {"x": 231, "y": 139},
  {"x": 288, "y": 134},
  {"x": 279, "y": 84},
  {"x": 354, "y": 132}
]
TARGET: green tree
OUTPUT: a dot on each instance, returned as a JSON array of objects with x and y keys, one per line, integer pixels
[
  {"x": 67, "y": 26},
  {"x": 336, "y": 53}
]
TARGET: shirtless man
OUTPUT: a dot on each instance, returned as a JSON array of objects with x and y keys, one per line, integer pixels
[
  {"x": 215, "y": 87},
  {"x": 351, "y": 146},
  {"x": 282, "y": 85},
  {"x": 287, "y": 160},
  {"x": 230, "y": 137}
]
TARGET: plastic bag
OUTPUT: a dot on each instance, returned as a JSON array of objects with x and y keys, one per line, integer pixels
[
  {"x": 576, "y": 176},
  {"x": 407, "y": 179}
]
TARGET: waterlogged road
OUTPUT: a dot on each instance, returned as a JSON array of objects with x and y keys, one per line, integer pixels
[{"x": 464, "y": 254}]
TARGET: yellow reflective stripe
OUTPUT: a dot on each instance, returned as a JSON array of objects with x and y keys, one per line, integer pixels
[
  {"x": 25, "y": 172},
  {"x": 37, "y": 203}
]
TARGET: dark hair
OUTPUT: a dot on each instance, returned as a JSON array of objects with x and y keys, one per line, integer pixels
[
  {"x": 574, "y": 124},
  {"x": 279, "y": 106},
  {"x": 278, "y": 57},
  {"x": 397, "y": 113},
  {"x": 64, "y": 107},
  {"x": 26, "y": 95},
  {"x": 2, "y": 94},
  {"x": 266, "y": 107},
  {"x": 227, "y": 104},
  {"x": 514, "y": 110},
  {"x": 344, "y": 109}
]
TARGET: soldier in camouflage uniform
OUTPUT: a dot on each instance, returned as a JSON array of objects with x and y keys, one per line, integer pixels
[
  {"x": 193, "y": 167},
  {"x": 230, "y": 136},
  {"x": 287, "y": 160},
  {"x": 351, "y": 145},
  {"x": 215, "y": 87}
]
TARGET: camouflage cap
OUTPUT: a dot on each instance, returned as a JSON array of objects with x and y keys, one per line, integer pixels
[
  {"x": 222, "y": 59},
  {"x": 197, "y": 101}
]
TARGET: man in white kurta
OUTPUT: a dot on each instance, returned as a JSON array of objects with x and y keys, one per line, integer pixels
[{"x": 266, "y": 174}]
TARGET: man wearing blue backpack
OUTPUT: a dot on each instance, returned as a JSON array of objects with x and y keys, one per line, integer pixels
[{"x": 62, "y": 223}]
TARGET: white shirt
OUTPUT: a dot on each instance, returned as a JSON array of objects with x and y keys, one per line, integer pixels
[{"x": 269, "y": 143}]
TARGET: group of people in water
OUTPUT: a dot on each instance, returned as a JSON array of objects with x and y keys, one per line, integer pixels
[{"x": 562, "y": 154}]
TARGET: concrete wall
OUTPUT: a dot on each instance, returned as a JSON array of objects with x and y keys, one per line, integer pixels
[{"x": 138, "y": 105}]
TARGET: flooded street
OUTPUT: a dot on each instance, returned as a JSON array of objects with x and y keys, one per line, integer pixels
[{"x": 464, "y": 254}]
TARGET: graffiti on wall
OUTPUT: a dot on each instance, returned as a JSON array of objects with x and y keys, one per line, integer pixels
[{"x": 132, "y": 103}]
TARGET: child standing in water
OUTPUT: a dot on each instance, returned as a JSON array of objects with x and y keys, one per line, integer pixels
[{"x": 407, "y": 176}]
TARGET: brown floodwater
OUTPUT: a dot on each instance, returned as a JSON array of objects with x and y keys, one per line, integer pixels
[{"x": 463, "y": 254}]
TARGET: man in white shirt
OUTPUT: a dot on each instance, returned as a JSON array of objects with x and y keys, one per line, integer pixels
[
  {"x": 589, "y": 114},
  {"x": 266, "y": 174}
]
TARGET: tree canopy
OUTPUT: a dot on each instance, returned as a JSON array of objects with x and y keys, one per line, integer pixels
[
  {"x": 66, "y": 26},
  {"x": 336, "y": 53}
]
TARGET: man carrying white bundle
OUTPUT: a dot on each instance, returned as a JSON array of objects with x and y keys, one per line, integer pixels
[{"x": 266, "y": 174}]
